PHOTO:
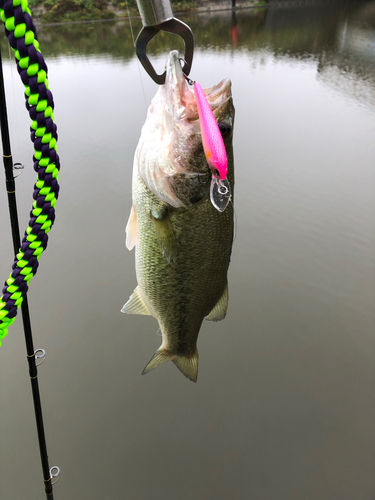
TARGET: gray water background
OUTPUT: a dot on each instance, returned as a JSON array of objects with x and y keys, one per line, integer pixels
[{"x": 284, "y": 407}]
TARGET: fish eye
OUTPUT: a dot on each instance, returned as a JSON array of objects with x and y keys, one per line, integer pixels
[{"x": 225, "y": 129}]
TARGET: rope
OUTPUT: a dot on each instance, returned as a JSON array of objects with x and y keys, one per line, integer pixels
[{"x": 22, "y": 37}]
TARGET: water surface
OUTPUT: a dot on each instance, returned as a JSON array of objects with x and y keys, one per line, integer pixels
[{"x": 284, "y": 406}]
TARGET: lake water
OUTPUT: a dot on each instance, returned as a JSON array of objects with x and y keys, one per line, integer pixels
[{"x": 284, "y": 407}]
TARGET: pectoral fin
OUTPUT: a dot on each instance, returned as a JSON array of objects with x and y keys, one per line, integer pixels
[
  {"x": 165, "y": 234},
  {"x": 136, "y": 304},
  {"x": 131, "y": 229},
  {"x": 220, "y": 310}
]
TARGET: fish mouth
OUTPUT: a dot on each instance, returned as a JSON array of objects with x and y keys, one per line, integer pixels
[
  {"x": 170, "y": 157},
  {"x": 180, "y": 93}
]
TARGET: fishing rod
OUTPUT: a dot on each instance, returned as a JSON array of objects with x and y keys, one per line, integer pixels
[
  {"x": 32, "y": 355},
  {"x": 22, "y": 37}
]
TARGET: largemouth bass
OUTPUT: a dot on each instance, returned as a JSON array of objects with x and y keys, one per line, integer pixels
[{"x": 182, "y": 242}]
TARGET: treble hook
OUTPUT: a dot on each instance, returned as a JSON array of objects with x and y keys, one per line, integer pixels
[{"x": 157, "y": 15}]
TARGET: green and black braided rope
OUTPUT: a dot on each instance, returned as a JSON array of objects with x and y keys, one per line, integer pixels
[{"x": 22, "y": 37}]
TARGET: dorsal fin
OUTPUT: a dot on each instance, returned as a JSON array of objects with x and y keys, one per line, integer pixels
[
  {"x": 136, "y": 304},
  {"x": 219, "y": 311}
]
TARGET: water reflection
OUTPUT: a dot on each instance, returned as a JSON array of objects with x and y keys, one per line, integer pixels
[
  {"x": 342, "y": 42},
  {"x": 350, "y": 66}
]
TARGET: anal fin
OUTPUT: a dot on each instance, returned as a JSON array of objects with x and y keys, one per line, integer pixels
[
  {"x": 219, "y": 311},
  {"x": 136, "y": 304}
]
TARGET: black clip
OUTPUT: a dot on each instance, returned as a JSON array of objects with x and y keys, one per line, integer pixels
[{"x": 172, "y": 26}]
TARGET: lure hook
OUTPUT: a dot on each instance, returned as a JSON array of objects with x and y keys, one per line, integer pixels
[{"x": 190, "y": 82}]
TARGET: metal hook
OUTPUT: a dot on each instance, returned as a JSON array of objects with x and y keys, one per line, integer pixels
[
  {"x": 56, "y": 474},
  {"x": 18, "y": 166},
  {"x": 41, "y": 356},
  {"x": 172, "y": 26}
]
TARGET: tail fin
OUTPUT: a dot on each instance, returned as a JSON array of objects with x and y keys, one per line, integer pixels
[
  {"x": 188, "y": 365},
  {"x": 157, "y": 359}
]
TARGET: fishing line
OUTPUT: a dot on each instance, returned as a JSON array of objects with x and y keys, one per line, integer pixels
[
  {"x": 131, "y": 27},
  {"x": 21, "y": 185},
  {"x": 14, "y": 98},
  {"x": 138, "y": 64},
  {"x": 235, "y": 223}
]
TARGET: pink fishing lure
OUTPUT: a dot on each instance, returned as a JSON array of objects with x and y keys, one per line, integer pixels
[{"x": 212, "y": 140}]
